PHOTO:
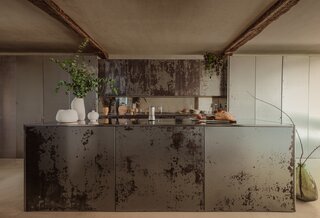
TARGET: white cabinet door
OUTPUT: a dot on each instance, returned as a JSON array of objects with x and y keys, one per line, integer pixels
[
  {"x": 268, "y": 88},
  {"x": 296, "y": 94},
  {"x": 314, "y": 105},
  {"x": 242, "y": 81}
]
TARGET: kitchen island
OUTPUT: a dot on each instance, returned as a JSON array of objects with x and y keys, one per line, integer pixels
[{"x": 159, "y": 166}]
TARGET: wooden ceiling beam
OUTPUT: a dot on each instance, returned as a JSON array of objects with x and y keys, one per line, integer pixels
[
  {"x": 51, "y": 8},
  {"x": 279, "y": 8}
]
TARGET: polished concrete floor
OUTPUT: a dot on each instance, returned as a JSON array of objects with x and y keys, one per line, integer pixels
[{"x": 11, "y": 201}]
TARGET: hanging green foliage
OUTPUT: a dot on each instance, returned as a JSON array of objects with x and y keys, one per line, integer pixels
[
  {"x": 83, "y": 80},
  {"x": 214, "y": 64}
]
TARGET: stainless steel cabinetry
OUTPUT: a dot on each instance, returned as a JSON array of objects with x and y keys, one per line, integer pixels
[
  {"x": 69, "y": 168},
  {"x": 159, "y": 168},
  {"x": 161, "y": 78},
  {"x": 249, "y": 169}
]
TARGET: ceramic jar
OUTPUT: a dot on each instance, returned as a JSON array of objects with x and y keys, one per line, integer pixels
[
  {"x": 93, "y": 116},
  {"x": 67, "y": 116}
]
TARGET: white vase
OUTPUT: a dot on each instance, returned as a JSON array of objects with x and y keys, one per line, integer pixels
[
  {"x": 78, "y": 105},
  {"x": 67, "y": 116},
  {"x": 93, "y": 116}
]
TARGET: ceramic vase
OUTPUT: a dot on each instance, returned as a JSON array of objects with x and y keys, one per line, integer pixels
[
  {"x": 93, "y": 116},
  {"x": 77, "y": 104},
  {"x": 105, "y": 110},
  {"x": 67, "y": 116}
]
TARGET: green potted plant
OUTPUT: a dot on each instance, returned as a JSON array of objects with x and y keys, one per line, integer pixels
[
  {"x": 214, "y": 63},
  {"x": 82, "y": 80}
]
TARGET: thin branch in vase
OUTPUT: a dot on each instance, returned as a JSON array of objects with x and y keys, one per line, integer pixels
[{"x": 291, "y": 120}]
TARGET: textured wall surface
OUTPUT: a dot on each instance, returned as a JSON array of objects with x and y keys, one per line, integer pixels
[
  {"x": 69, "y": 168},
  {"x": 162, "y": 78},
  {"x": 160, "y": 168}
]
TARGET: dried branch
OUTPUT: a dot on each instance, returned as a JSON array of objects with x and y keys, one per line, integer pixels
[{"x": 292, "y": 122}]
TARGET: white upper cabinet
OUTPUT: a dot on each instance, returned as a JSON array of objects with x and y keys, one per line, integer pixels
[
  {"x": 241, "y": 82},
  {"x": 268, "y": 88},
  {"x": 296, "y": 94}
]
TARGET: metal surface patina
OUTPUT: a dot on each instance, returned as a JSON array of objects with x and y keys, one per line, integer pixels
[
  {"x": 159, "y": 168},
  {"x": 69, "y": 168},
  {"x": 162, "y": 78}
]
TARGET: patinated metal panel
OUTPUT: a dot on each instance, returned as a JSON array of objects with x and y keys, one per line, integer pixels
[
  {"x": 162, "y": 77},
  {"x": 69, "y": 168},
  {"x": 249, "y": 169},
  {"x": 187, "y": 77},
  {"x": 160, "y": 168},
  {"x": 137, "y": 78},
  {"x": 116, "y": 70}
]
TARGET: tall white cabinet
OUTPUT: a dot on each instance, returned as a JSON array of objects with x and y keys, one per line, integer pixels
[
  {"x": 289, "y": 82},
  {"x": 314, "y": 105},
  {"x": 295, "y": 97},
  {"x": 268, "y": 88},
  {"x": 241, "y": 81}
]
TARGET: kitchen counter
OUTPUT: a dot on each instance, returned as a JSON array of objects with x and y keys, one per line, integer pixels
[
  {"x": 159, "y": 166},
  {"x": 157, "y": 122}
]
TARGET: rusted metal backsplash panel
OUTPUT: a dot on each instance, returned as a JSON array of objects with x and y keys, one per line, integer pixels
[
  {"x": 160, "y": 77},
  {"x": 251, "y": 169},
  {"x": 69, "y": 168},
  {"x": 160, "y": 169}
]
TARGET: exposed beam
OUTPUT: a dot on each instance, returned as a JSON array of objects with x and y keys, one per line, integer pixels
[
  {"x": 51, "y": 8},
  {"x": 274, "y": 12}
]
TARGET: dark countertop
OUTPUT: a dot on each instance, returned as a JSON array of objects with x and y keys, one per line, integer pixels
[
  {"x": 145, "y": 116},
  {"x": 158, "y": 122}
]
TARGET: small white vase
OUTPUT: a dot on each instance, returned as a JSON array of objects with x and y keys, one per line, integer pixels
[
  {"x": 93, "y": 116},
  {"x": 67, "y": 116},
  {"x": 78, "y": 105}
]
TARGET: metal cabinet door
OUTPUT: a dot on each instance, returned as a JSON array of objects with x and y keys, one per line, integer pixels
[
  {"x": 159, "y": 168},
  {"x": 249, "y": 169},
  {"x": 69, "y": 168}
]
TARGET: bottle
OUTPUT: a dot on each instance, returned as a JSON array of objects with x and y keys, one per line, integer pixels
[{"x": 152, "y": 116}]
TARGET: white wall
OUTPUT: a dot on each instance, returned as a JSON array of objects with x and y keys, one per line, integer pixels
[{"x": 289, "y": 82}]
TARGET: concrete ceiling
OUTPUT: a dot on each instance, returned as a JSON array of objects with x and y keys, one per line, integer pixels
[
  {"x": 297, "y": 31},
  {"x": 163, "y": 27},
  {"x": 179, "y": 27},
  {"x": 25, "y": 28}
]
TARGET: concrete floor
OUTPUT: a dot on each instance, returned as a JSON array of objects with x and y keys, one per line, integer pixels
[{"x": 11, "y": 201}]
